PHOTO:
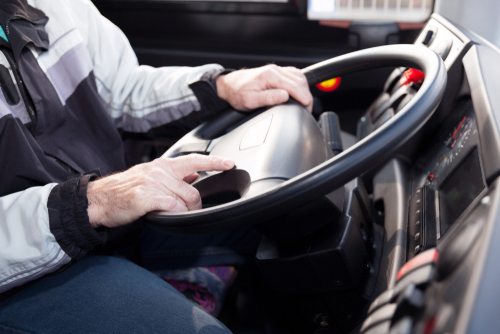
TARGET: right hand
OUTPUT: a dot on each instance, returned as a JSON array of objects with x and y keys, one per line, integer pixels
[
  {"x": 162, "y": 184},
  {"x": 268, "y": 85}
]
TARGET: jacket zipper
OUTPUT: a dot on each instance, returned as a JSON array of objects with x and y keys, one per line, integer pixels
[
  {"x": 22, "y": 89},
  {"x": 28, "y": 102}
]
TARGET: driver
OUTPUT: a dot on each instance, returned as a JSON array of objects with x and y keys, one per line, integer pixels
[{"x": 70, "y": 83}]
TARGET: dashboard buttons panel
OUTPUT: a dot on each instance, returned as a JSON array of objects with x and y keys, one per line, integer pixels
[
  {"x": 403, "y": 326},
  {"x": 383, "y": 299},
  {"x": 415, "y": 223},
  {"x": 420, "y": 277},
  {"x": 381, "y": 315},
  {"x": 422, "y": 230},
  {"x": 406, "y": 300},
  {"x": 381, "y": 328},
  {"x": 428, "y": 257},
  {"x": 410, "y": 302}
]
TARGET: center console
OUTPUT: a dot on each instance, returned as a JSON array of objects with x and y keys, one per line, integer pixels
[{"x": 451, "y": 193}]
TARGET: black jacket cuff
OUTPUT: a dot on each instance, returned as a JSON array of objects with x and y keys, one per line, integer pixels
[
  {"x": 68, "y": 217},
  {"x": 205, "y": 91}
]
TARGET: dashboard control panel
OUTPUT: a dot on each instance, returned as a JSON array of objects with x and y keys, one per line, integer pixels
[
  {"x": 395, "y": 309},
  {"x": 397, "y": 93},
  {"x": 448, "y": 179},
  {"x": 448, "y": 203}
]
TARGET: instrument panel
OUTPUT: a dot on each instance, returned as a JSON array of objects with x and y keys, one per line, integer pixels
[{"x": 448, "y": 177}]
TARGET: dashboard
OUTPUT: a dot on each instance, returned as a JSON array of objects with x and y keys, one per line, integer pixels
[
  {"x": 442, "y": 247},
  {"x": 448, "y": 178}
]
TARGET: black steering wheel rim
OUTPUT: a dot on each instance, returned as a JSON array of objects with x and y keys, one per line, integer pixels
[{"x": 375, "y": 149}]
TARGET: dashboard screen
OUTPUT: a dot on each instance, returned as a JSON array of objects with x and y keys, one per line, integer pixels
[{"x": 459, "y": 190}]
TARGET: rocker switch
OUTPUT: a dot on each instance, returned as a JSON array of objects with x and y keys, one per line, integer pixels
[
  {"x": 409, "y": 302},
  {"x": 428, "y": 37}
]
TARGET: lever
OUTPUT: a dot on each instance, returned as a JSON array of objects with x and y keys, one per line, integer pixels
[{"x": 330, "y": 127}]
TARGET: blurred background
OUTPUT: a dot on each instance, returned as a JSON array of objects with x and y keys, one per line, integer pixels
[{"x": 480, "y": 16}]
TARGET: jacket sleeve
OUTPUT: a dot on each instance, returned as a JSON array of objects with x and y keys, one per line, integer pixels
[
  {"x": 138, "y": 97},
  {"x": 29, "y": 250},
  {"x": 44, "y": 228}
]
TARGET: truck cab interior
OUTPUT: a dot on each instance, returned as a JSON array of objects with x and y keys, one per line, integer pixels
[{"x": 379, "y": 211}]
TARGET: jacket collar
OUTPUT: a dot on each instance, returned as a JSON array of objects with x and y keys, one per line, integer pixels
[{"x": 23, "y": 24}]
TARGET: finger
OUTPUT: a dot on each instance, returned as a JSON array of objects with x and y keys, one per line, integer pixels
[
  {"x": 296, "y": 88},
  {"x": 294, "y": 74},
  {"x": 167, "y": 186},
  {"x": 189, "y": 164},
  {"x": 295, "y": 71},
  {"x": 165, "y": 203},
  {"x": 268, "y": 97},
  {"x": 191, "y": 178},
  {"x": 298, "y": 73},
  {"x": 184, "y": 193},
  {"x": 301, "y": 79}
]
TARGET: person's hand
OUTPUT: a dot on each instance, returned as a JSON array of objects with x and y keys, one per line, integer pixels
[
  {"x": 264, "y": 86},
  {"x": 162, "y": 184}
]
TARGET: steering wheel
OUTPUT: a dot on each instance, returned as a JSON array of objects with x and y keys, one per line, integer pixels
[{"x": 282, "y": 160}]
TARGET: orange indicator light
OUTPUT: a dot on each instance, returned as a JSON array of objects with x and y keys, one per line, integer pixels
[{"x": 329, "y": 85}]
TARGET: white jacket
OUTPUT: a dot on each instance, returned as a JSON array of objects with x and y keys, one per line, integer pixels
[{"x": 83, "y": 46}]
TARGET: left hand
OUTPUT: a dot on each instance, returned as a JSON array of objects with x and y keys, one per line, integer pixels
[
  {"x": 162, "y": 184},
  {"x": 264, "y": 86}
]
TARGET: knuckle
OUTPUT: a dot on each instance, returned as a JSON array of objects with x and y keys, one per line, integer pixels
[
  {"x": 247, "y": 101},
  {"x": 135, "y": 195},
  {"x": 178, "y": 184},
  {"x": 157, "y": 173},
  {"x": 158, "y": 204},
  {"x": 168, "y": 203},
  {"x": 264, "y": 75},
  {"x": 269, "y": 73},
  {"x": 193, "y": 195},
  {"x": 270, "y": 98},
  {"x": 177, "y": 198},
  {"x": 157, "y": 163},
  {"x": 165, "y": 162},
  {"x": 162, "y": 166}
]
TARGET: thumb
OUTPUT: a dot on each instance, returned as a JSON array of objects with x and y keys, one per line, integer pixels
[{"x": 271, "y": 97}]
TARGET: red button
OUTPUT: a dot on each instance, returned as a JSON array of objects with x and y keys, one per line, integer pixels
[
  {"x": 429, "y": 256},
  {"x": 429, "y": 325},
  {"x": 412, "y": 76}
]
